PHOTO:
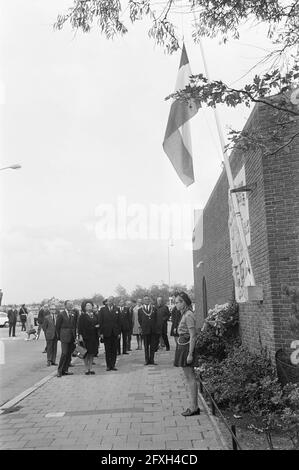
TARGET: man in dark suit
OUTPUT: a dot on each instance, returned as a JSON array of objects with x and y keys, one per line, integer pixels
[
  {"x": 12, "y": 321},
  {"x": 130, "y": 305},
  {"x": 124, "y": 322},
  {"x": 40, "y": 320},
  {"x": 163, "y": 315},
  {"x": 49, "y": 326},
  {"x": 110, "y": 332},
  {"x": 66, "y": 325},
  {"x": 147, "y": 317}
]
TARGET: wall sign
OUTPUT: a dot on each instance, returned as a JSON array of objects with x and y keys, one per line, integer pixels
[{"x": 240, "y": 271}]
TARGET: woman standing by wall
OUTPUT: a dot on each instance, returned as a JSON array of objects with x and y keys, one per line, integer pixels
[
  {"x": 184, "y": 354},
  {"x": 88, "y": 334}
]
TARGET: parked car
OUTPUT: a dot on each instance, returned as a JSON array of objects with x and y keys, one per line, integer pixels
[{"x": 3, "y": 319}]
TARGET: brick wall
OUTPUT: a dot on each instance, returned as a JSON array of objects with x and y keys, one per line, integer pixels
[{"x": 274, "y": 249}]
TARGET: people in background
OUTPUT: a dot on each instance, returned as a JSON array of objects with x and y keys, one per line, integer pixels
[
  {"x": 23, "y": 312},
  {"x": 129, "y": 305},
  {"x": 49, "y": 327},
  {"x": 40, "y": 320},
  {"x": 12, "y": 321},
  {"x": 136, "y": 331},
  {"x": 163, "y": 315},
  {"x": 175, "y": 320},
  {"x": 124, "y": 321},
  {"x": 88, "y": 335},
  {"x": 184, "y": 354},
  {"x": 30, "y": 326},
  {"x": 95, "y": 311}
]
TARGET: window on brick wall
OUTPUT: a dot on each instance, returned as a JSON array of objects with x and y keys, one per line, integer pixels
[{"x": 204, "y": 298}]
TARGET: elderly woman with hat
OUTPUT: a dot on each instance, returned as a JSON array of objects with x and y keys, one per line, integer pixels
[{"x": 88, "y": 334}]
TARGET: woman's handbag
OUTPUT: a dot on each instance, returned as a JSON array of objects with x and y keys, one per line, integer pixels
[
  {"x": 80, "y": 351},
  {"x": 32, "y": 331}
]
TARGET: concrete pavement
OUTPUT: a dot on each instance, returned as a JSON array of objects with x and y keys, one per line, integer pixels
[{"x": 136, "y": 407}]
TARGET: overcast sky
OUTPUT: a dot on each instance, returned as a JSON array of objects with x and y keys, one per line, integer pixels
[{"x": 85, "y": 117}]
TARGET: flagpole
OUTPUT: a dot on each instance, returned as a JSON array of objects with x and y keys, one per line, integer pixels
[{"x": 229, "y": 177}]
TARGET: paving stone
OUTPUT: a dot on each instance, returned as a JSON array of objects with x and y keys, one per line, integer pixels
[{"x": 179, "y": 445}]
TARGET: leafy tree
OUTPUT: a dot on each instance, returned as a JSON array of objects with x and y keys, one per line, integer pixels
[
  {"x": 121, "y": 291},
  {"x": 139, "y": 292},
  {"x": 213, "y": 18}
]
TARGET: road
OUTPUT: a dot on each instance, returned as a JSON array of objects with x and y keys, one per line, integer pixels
[{"x": 23, "y": 363}]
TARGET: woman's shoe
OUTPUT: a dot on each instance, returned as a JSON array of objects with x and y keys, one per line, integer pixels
[
  {"x": 188, "y": 412},
  {"x": 92, "y": 372},
  {"x": 87, "y": 373}
]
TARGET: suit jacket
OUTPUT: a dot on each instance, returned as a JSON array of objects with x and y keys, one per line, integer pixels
[
  {"x": 49, "y": 327},
  {"x": 109, "y": 322},
  {"x": 175, "y": 319},
  {"x": 163, "y": 315},
  {"x": 124, "y": 318},
  {"x": 65, "y": 327},
  {"x": 23, "y": 312},
  {"x": 12, "y": 316},
  {"x": 148, "y": 322}
]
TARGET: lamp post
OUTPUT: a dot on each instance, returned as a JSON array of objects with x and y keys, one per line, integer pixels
[
  {"x": 169, "y": 244},
  {"x": 12, "y": 167}
]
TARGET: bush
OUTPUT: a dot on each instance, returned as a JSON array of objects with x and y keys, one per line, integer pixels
[
  {"x": 288, "y": 419},
  {"x": 243, "y": 380}
]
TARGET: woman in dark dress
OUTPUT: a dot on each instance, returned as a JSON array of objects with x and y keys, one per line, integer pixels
[{"x": 88, "y": 334}]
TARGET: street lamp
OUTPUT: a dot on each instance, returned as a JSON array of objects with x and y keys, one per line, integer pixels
[
  {"x": 169, "y": 244},
  {"x": 12, "y": 167}
]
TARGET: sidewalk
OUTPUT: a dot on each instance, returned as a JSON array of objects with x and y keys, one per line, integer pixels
[{"x": 136, "y": 407}]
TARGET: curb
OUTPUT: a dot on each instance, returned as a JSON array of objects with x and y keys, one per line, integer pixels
[
  {"x": 21, "y": 396},
  {"x": 28, "y": 391},
  {"x": 214, "y": 423}
]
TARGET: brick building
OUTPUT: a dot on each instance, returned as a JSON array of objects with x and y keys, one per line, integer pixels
[{"x": 273, "y": 214}]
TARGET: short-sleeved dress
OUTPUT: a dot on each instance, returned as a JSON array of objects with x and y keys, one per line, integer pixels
[
  {"x": 136, "y": 326},
  {"x": 188, "y": 320}
]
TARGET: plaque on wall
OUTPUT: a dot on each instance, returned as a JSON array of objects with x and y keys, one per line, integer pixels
[{"x": 240, "y": 272}]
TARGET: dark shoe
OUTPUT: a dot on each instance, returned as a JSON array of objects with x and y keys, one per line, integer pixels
[
  {"x": 113, "y": 368},
  {"x": 94, "y": 364},
  {"x": 108, "y": 368},
  {"x": 44, "y": 352},
  {"x": 59, "y": 374},
  {"x": 92, "y": 372},
  {"x": 67, "y": 373},
  {"x": 167, "y": 349},
  {"x": 125, "y": 353},
  {"x": 188, "y": 412},
  {"x": 87, "y": 373},
  {"x": 54, "y": 364},
  {"x": 146, "y": 363}
]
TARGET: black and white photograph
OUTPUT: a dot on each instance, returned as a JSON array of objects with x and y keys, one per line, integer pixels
[{"x": 149, "y": 228}]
